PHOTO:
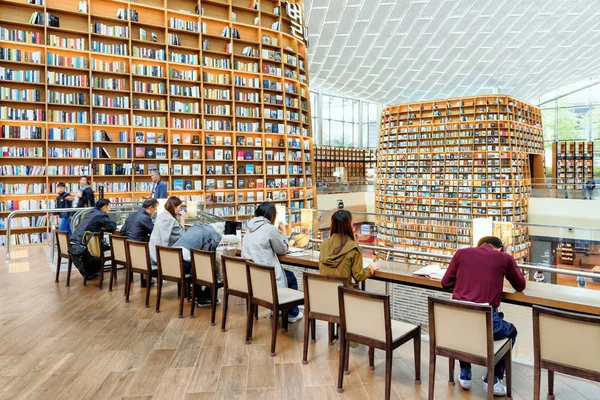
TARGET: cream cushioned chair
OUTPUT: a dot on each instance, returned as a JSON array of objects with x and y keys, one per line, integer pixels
[
  {"x": 235, "y": 283},
  {"x": 463, "y": 331},
  {"x": 138, "y": 261},
  {"x": 169, "y": 261},
  {"x": 118, "y": 253},
  {"x": 567, "y": 343},
  {"x": 204, "y": 273}
]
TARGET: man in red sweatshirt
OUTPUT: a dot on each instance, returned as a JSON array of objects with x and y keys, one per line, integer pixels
[{"x": 477, "y": 275}]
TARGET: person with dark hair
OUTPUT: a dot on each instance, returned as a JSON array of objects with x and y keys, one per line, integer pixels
[
  {"x": 477, "y": 275},
  {"x": 167, "y": 229},
  {"x": 340, "y": 254},
  {"x": 159, "y": 188},
  {"x": 64, "y": 200},
  {"x": 85, "y": 195},
  {"x": 96, "y": 220},
  {"x": 588, "y": 188},
  {"x": 139, "y": 225},
  {"x": 262, "y": 244}
]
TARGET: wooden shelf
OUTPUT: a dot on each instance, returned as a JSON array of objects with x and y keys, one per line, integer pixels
[{"x": 573, "y": 163}]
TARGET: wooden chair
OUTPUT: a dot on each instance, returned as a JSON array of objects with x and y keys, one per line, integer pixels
[
  {"x": 464, "y": 331},
  {"x": 138, "y": 260},
  {"x": 366, "y": 320},
  {"x": 170, "y": 268},
  {"x": 118, "y": 252},
  {"x": 97, "y": 251},
  {"x": 263, "y": 291},
  {"x": 321, "y": 302},
  {"x": 204, "y": 273},
  {"x": 564, "y": 342},
  {"x": 62, "y": 246},
  {"x": 235, "y": 282}
]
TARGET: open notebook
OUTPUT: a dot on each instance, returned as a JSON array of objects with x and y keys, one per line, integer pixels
[{"x": 433, "y": 271}]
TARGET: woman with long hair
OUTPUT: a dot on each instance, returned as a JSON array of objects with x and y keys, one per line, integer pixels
[
  {"x": 340, "y": 254},
  {"x": 263, "y": 242},
  {"x": 167, "y": 228}
]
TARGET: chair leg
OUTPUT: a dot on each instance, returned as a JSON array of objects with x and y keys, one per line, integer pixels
[
  {"x": 274, "y": 331},
  {"x": 181, "y": 299},
  {"x": 432, "y": 360},
  {"x": 305, "y": 341},
  {"x": 84, "y": 280},
  {"x": 249, "y": 323},
  {"x": 178, "y": 289},
  {"x": 58, "y": 260},
  {"x": 371, "y": 358},
  {"x": 149, "y": 279},
  {"x": 340, "y": 387},
  {"x": 69, "y": 272},
  {"x": 537, "y": 380},
  {"x": 417, "y": 348},
  {"x": 451, "y": 365},
  {"x": 158, "y": 293},
  {"x": 330, "y": 326},
  {"x": 113, "y": 271},
  {"x": 193, "y": 302},
  {"x": 347, "y": 357},
  {"x": 550, "y": 385},
  {"x": 128, "y": 279},
  {"x": 213, "y": 311},
  {"x": 224, "y": 319},
  {"x": 490, "y": 379},
  {"x": 253, "y": 310},
  {"x": 101, "y": 277},
  {"x": 388, "y": 372},
  {"x": 256, "y": 312},
  {"x": 508, "y": 363},
  {"x": 313, "y": 330},
  {"x": 284, "y": 320}
]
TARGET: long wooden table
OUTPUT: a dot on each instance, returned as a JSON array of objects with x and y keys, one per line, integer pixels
[{"x": 541, "y": 294}]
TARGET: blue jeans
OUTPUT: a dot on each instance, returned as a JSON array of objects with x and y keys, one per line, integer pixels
[
  {"x": 65, "y": 225},
  {"x": 292, "y": 284},
  {"x": 502, "y": 330}
]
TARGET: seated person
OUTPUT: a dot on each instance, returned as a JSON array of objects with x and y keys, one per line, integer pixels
[
  {"x": 96, "y": 220},
  {"x": 202, "y": 237},
  {"x": 167, "y": 230},
  {"x": 139, "y": 225},
  {"x": 262, "y": 244},
  {"x": 477, "y": 275},
  {"x": 340, "y": 254}
]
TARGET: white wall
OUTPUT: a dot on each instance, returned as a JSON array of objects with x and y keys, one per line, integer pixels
[{"x": 584, "y": 213}]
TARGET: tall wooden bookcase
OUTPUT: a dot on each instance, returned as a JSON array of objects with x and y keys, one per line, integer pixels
[
  {"x": 573, "y": 164},
  {"x": 454, "y": 159},
  {"x": 212, "y": 93},
  {"x": 355, "y": 162}
]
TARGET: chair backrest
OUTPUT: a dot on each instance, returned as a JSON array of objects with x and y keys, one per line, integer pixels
[
  {"x": 364, "y": 313},
  {"x": 234, "y": 273},
  {"x": 461, "y": 326},
  {"x": 62, "y": 241},
  {"x": 169, "y": 261},
  {"x": 138, "y": 255},
  {"x": 567, "y": 338},
  {"x": 261, "y": 282},
  {"x": 321, "y": 293},
  {"x": 95, "y": 244},
  {"x": 203, "y": 265},
  {"x": 117, "y": 248}
]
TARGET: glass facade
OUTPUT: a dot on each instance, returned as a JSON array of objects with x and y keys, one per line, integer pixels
[{"x": 344, "y": 122}]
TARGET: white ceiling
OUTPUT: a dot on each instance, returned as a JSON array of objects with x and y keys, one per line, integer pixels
[{"x": 393, "y": 51}]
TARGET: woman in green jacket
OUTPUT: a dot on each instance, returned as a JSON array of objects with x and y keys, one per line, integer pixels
[{"x": 340, "y": 254}]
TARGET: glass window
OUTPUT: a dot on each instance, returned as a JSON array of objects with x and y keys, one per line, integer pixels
[{"x": 336, "y": 134}]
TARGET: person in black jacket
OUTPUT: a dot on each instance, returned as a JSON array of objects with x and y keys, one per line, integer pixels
[
  {"x": 139, "y": 225},
  {"x": 64, "y": 200},
  {"x": 85, "y": 195},
  {"x": 96, "y": 220}
]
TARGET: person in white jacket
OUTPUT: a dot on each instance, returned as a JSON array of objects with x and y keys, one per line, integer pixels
[
  {"x": 167, "y": 229},
  {"x": 263, "y": 242}
]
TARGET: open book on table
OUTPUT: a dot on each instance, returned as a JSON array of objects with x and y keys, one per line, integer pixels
[{"x": 433, "y": 271}]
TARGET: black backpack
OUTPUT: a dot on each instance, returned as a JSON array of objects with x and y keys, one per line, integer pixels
[{"x": 83, "y": 260}]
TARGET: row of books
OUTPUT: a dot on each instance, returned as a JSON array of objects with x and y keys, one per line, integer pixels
[
  {"x": 21, "y": 132},
  {"x": 22, "y": 170},
  {"x": 60, "y": 78},
  {"x": 66, "y": 43},
  {"x": 32, "y": 76},
  {"x": 109, "y": 83},
  {"x": 22, "y": 188},
  {"x": 217, "y": 94},
  {"x": 7, "y": 93},
  {"x": 113, "y": 102},
  {"x": 67, "y": 98},
  {"x": 25, "y": 222},
  {"x": 20, "y": 36},
  {"x": 62, "y": 134},
  {"x": 16, "y": 151},
  {"x": 117, "y": 31},
  {"x": 24, "y": 238}
]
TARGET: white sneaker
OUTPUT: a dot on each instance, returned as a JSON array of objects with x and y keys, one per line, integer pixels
[
  {"x": 465, "y": 383},
  {"x": 296, "y": 318},
  {"x": 499, "y": 387}
]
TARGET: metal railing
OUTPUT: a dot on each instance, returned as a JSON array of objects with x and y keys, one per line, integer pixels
[{"x": 449, "y": 257}]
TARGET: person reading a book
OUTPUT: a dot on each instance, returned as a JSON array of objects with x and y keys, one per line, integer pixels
[
  {"x": 262, "y": 244},
  {"x": 477, "y": 275},
  {"x": 167, "y": 229},
  {"x": 340, "y": 253},
  {"x": 159, "y": 188}
]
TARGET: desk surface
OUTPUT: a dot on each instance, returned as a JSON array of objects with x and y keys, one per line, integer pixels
[{"x": 536, "y": 293}]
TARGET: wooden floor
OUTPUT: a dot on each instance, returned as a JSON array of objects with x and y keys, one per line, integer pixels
[{"x": 82, "y": 343}]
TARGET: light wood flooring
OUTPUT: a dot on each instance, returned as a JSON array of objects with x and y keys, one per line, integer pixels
[{"x": 82, "y": 343}]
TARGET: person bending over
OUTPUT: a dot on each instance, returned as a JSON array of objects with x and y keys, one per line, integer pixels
[
  {"x": 167, "y": 229},
  {"x": 340, "y": 254},
  {"x": 477, "y": 275},
  {"x": 262, "y": 244},
  {"x": 96, "y": 220}
]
